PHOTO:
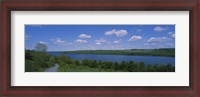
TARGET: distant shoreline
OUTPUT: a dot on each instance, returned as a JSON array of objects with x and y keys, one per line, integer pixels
[{"x": 167, "y": 52}]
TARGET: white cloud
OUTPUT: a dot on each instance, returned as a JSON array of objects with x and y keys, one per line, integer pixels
[
  {"x": 42, "y": 42},
  {"x": 135, "y": 37},
  {"x": 170, "y": 44},
  {"x": 58, "y": 41},
  {"x": 85, "y": 36},
  {"x": 170, "y": 33},
  {"x": 138, "y": 30},
  {"x": 80, "y": 41},
  {"x": 110, "y": 32},
  {"x": 148, "y": 44},
  {"x": 27, "y": 37},
  {"x": 173, "y": 35},
  {"x": 100, "y": 41},
  {"x": 160, "y": 29},
  {"x": 118, "y": 33},
  {"x": 116, "y": 41},
  {"x": 157, "y": 39}
]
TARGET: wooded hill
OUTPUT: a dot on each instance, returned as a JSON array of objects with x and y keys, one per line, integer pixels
[{"x": 170, "y": 52}]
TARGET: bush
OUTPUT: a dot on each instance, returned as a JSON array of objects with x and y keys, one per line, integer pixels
[{"x": 38, "y": 61}]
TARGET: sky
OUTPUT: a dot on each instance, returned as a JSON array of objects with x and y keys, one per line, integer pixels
[{"x": 100, "y": 37}]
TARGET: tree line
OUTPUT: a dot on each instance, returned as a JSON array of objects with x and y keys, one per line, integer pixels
[
  {"x": 169, "y": 52},
  {"x": 66, "y": 63}
]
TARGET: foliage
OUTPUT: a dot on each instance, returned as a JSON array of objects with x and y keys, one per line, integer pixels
[
  {"x": 86, "y": 65},
  {"x": 40, "y": 47},
  {"x": 38, "y": 61}
]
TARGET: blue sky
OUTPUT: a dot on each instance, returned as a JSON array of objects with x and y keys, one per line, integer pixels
[{"x": 100, "y": 37}]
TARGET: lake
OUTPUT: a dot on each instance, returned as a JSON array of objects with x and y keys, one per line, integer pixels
[{"x": 118, "y": 58}]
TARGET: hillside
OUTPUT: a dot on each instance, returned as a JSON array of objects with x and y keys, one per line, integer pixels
[{"x": 170, "y": 52}]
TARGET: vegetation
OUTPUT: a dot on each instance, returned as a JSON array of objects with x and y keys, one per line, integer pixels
[
  {"x": 38, "y": 60},
  {"x": 170, "y": 52},
  {"x": 106, "y": 66},
  {"x": 40, "y": 47}
]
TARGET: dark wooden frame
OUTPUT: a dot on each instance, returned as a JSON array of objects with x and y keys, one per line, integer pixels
[{"x": 99, "y": 5}]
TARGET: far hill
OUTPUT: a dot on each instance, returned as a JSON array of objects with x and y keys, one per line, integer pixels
[{"x": 170, "y": 52}]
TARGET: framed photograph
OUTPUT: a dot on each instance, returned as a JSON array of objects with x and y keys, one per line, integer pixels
[{"x": 137, "y": 48}]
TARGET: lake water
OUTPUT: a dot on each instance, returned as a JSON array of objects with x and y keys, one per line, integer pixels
[{"x": 118, "y": 58}]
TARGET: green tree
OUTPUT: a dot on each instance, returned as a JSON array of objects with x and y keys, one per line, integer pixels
[
  {"x": 52, "y": 61},
  {"x": 117, "y": 66},
  {"x": 132, "y": 67},
  {"x": 63, "y": 58},
  {"x": 28, "y": 55},
  {"x": 40, "y": 47},
  {"x": 92, "y": 63},
  {"x": 141, "y": 67},
  {"x": 76, "y": 62},
  {"x": 85, "y": 62}
]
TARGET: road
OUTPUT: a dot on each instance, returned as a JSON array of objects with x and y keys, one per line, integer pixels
[{"x": 53, "y": 69}]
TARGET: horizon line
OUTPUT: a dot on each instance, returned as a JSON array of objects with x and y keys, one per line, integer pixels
[{"x": 106, "y": 49}]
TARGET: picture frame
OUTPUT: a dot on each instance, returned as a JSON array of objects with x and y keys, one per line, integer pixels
[{"x": 193, "y": 90}]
